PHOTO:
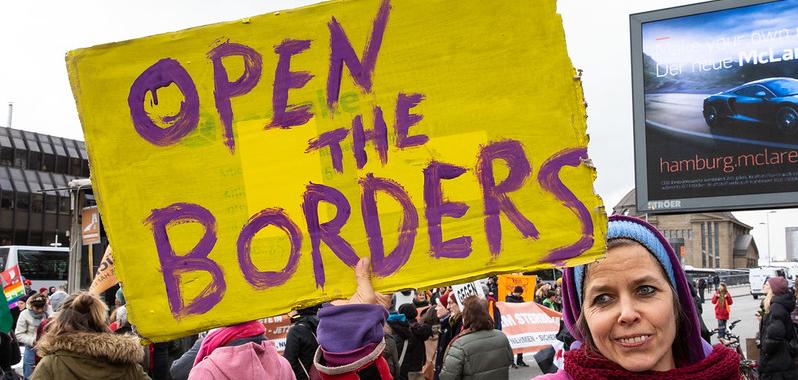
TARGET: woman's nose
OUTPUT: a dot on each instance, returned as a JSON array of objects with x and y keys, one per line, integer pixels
[{"x": 628, "y": 313}]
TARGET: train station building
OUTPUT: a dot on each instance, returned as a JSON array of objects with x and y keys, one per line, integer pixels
[{"x": 702, "y": 239}]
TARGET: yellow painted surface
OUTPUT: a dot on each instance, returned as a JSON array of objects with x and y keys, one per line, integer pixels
[{"x": 489, "y": 71}]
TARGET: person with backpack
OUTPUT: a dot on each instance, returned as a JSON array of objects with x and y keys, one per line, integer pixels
[
  {"x": 301, "y": 343},
  {"x": 410, "y": 336},
  {"x": 778, "y": 343}
]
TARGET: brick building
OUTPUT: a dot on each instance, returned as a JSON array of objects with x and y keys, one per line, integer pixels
[{"x": 703, "y": 239}]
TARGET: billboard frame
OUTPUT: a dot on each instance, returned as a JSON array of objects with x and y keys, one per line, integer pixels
[{"x": 714, "y": 203}]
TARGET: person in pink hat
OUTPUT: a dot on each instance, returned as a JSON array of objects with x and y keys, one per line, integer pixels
[{"x": 776, "y": 331}]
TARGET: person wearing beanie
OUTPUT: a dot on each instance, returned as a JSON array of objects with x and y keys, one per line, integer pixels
[
  {"x": 301, "y": 342},
  {"x": 29, "y": 320},
  {"x": 410, "y": 337},
  {"x": 776, "y": 331},
  {"x": 633, "y": 316},
  {"x": 351, "y": 333},
  {"x": 722, "y": 301}
]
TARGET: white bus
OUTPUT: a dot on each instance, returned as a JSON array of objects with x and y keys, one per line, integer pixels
[
  {"x": 757, "y": 277},
  {"x": 44, "y": 266}
]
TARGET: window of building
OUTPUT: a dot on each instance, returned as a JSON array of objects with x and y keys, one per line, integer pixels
[
  {"x": 703, "y": 245},
  {"x": 63, "y": 205},
  {"x": 21, "y": 158},
  {"x": 62, "y": 165},
  {"x": 20, "y": 237},
  {"x": 48, "y": 163},
  {"x": 34, "y": 161},
  {"x": 35, "y": 238},
  {"x": 74, "y": 167},
  {"x": 23, "y": 201},
  {"x": 50, "y": 204},
  {"x": 6, "y": 155},
  {"x": 7, "y": 200},
  {"x": 37, "y": 203},
  {"x": 710, "y": 251},
  {"x": 717, "y": 246}
]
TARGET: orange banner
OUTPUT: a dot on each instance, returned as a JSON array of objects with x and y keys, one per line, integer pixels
[
  {"x": 277, "y": 330},
  {"x": 105, "y": 277},
  {"x": 529, "y": 327},
  {"x": 508, "y": 282}
]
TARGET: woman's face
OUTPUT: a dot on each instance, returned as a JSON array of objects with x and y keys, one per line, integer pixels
[
  {"x": 441, "y": 311},
  {"x": 452, "y": 305},
  {"x": 766, "y": 288},
  {"x": 630, "y": 313}
]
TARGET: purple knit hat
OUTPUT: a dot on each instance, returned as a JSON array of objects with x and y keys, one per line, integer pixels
[{"x": 640, "y": 231}]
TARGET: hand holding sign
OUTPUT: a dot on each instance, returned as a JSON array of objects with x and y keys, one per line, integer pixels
[{"x": 365, "y": 293}]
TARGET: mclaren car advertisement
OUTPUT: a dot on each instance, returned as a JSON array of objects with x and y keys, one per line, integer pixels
[{"x": 720, "y": 102}]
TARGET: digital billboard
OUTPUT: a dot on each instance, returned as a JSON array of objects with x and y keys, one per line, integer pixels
[{"x": 715, "y": 95}]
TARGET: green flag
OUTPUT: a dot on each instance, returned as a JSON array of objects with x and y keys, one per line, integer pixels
[{"x": 6, "y": 320}]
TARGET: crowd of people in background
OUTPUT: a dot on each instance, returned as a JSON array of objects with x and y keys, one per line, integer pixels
[
  {"x": 423, "y": 334},
  {"x": 416, "y": 333}
]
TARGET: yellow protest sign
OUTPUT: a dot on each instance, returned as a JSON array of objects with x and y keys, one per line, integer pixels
[{"x": 245, "y": 166}]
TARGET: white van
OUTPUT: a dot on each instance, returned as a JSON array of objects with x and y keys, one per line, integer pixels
[
  {"x": 757, "y": 277},
  {"x": 44, "y": 266}
]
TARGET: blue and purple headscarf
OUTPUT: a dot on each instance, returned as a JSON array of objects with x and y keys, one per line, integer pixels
[{"x": 640, "y": 231}]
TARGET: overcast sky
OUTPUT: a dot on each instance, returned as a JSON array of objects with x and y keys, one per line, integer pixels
[{"x": 37, "y": 35}]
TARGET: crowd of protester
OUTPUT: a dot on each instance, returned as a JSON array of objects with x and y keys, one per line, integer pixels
[{"x": 642, "y": 323}]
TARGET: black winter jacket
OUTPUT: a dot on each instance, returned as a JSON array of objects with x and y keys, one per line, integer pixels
[
  {"x": 775, "y": 332},
  {"x": 415, "y": 334},
  {"x": 301, "y": 345},
  {"x": 512, "y": 298}
]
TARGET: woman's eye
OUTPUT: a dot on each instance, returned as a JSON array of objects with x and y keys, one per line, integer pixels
[
  {"x": 601, "y": 299},
  {"x": 646, "y": 290}
]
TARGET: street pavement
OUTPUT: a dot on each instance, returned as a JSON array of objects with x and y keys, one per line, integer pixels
[
  {"x": 744, "y": 308},
  {"x": 528, "y": 372}
]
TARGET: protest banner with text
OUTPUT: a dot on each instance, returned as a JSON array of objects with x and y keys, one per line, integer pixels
[
  {"x": 529, "y": 326},
  {"x": 248, "y": 165}
]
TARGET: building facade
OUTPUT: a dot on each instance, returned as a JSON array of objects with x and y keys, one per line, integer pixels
[
  {"x": 30, "y": 163},
  {"x": 703, "y": 239}
]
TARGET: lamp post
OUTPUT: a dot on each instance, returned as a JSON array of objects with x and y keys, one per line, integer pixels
[{"x": 770, "y": 251}]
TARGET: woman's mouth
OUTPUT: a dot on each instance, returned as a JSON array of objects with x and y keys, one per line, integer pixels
[{"x": 633, "y": 341}]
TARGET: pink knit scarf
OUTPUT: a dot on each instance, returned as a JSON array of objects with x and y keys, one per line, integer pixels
[{"x": 227, "y": 334}]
